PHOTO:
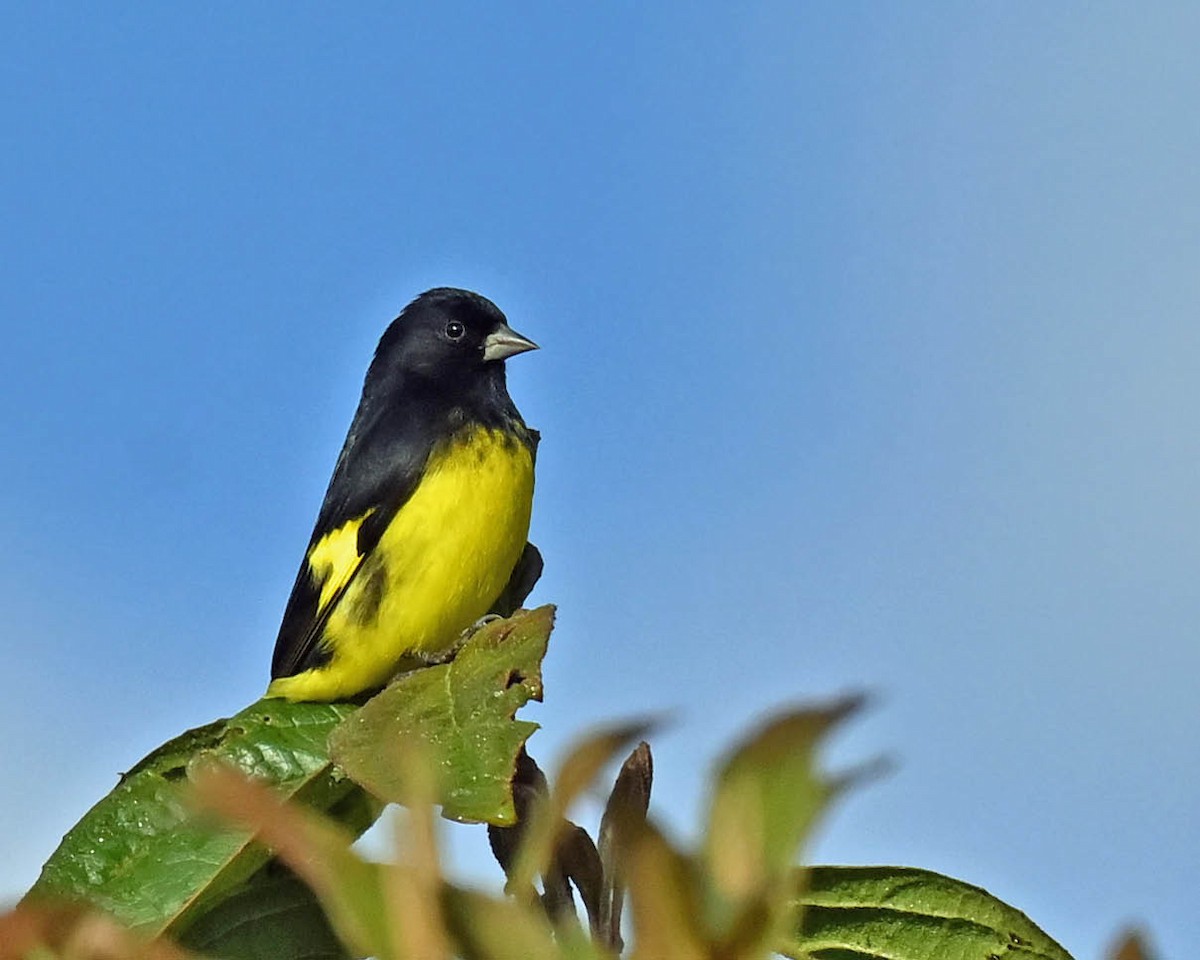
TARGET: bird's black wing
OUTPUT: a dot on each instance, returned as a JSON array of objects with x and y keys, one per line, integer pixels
[
  {"x": 525, "y": 574},
  {"x": 380, "y": 466}
]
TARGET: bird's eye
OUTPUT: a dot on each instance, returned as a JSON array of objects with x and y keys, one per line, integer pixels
[{"x": 455, "y": 330}]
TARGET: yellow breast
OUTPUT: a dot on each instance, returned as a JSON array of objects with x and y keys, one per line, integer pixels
[{"x": 438, "y": 567}]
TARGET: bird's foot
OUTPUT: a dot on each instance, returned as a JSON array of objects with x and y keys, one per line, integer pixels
[
  {"x": 416, "y": 661},
  {"x": 445, "y": 656},
  {"x": 477, "y": 626}
]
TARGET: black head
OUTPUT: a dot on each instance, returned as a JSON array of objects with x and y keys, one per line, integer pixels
[{"x": 445, "y": 338}]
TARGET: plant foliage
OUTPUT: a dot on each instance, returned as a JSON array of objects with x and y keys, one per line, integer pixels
[{"x": 236, "y": 840}]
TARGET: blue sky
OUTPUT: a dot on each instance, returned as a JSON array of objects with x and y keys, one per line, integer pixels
[{"x": 870, "y": 360}]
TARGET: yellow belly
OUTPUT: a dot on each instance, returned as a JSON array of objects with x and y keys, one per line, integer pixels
[{"x": 440, "y": 564}]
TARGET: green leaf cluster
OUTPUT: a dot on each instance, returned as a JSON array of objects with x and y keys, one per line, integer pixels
[{"x": 236, "y": 840}]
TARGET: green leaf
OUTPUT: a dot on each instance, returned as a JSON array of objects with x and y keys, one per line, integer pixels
[
  {"x": 273, "y": 917},
  {"x": 141, "y": 857},
  {"x": 902, "y": 913},
  {"x": 461, "y": 714}
]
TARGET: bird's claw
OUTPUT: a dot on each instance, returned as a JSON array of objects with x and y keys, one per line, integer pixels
[{"x": 478, "y": 625}]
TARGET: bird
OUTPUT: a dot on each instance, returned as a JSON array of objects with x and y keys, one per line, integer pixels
[{"x": 423, "y": 529}]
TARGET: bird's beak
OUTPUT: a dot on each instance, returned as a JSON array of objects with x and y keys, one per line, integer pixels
[{"x": 505, "y": 342}]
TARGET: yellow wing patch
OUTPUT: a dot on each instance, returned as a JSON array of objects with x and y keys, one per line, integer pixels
[{"x": 334, "y": 559}]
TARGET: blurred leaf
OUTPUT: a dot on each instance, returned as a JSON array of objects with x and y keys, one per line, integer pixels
[
  {"x": 413, "y": 885},
  {"x": 400, "y": 911},
  {"x": 664, "y": 900},
  {"x": 45, "y": 932},
  {"x": 138, "y": 856},
  {"x": 582, "y": 765},
  {"x": 416, "y": 921},
  {"x": 273, "y": 917},
  {"x": 901, "y": 913},
  {"x": 462, "y": 713},
  {"x": 574, "y": 944},
  {"x": 768, "y": 793},
  {"x": 319, "y": 851},
  {"x": 1130, "y": 945},
  {"x": 488, "y": 929}
]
